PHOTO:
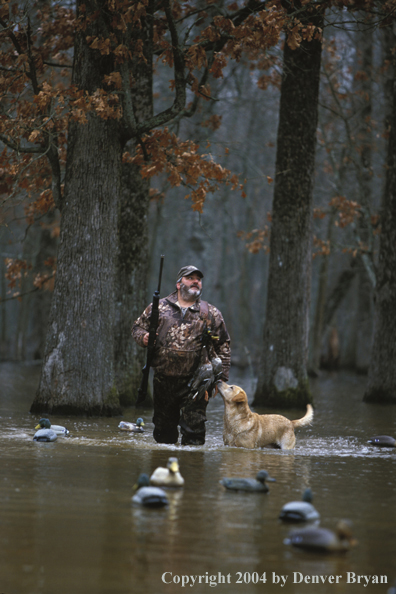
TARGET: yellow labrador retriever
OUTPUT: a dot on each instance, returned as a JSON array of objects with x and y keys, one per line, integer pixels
[{"x": 244, "y": 428}]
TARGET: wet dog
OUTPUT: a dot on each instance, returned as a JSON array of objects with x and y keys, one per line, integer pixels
[{"x": 244, "y": 428}]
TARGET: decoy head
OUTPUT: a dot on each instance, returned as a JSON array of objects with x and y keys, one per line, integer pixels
[
  {"x": 143, "y": 481},
  {"x": 140, "y": 422},
  {"x": 344, "y": 533},
  {"x": 263, "y": 476},
  {"x": 307, "y": 495},
  {"x": 43, "y": 424},
  {"x": 173, "y": 465}
]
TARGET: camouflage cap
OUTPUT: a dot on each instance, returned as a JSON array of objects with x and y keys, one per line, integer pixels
[{"x": 186, "y": 270}]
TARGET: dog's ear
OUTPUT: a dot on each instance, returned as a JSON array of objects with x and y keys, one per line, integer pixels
[{"x": 240, "y": 397}]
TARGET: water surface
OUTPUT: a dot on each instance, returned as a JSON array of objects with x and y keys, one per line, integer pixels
[{"x": 67, "y": 525}]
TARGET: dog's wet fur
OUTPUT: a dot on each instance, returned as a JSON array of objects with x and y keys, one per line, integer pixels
[{"x": 247, "y": 429}]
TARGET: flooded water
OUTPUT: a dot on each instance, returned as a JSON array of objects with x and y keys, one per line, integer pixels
[{"x": 67, "y": 525}]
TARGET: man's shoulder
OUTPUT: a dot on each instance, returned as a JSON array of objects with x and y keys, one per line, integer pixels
[{"x": 214, "y": 311}]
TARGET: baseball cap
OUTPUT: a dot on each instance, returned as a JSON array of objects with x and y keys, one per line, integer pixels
[{"x": 186, "y": 270}]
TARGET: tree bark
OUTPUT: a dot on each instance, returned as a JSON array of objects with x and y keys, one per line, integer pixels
[
  {"x": 363, "y": 86},
  {"x": 78, "y": 368},
  {"x": 283, "y": 380},
  {"x": 381, "y": 385},
  {"x": 133, "y": 257}
]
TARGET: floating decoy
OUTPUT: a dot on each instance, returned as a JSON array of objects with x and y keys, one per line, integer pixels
[
  {"x": 300, "y": 511},
  {"x": 392, "y": 589},
  {"x": 169, "y": 476},
  {"x": 45, "y": 435},
  {"x": 248, "y": 484},
  {"x": 149, "y": 496},
  {"x": 46, "y": 424},
  {"x": 322, "y": 539},
  {"x": 383, "y": 441},
  {"x": 134, "y": 427}
]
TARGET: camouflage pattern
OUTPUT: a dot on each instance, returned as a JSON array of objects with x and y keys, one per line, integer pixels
[
  {"x": 172, "y": 407},
  {"x": 186, "y": 270},
  {"x": 179, "y": 343}
]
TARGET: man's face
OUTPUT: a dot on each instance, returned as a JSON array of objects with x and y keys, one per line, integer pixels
[{"x": 190, "y": 287}]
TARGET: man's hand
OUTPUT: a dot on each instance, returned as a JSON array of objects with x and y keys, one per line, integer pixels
[{"x": 146, "y": 338}]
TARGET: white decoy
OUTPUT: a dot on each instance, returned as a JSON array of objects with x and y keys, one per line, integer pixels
[
  {"x": 149, "y": 496},
  {"x": 46, "y": 424},
  {"x": 134, "y": 427},
  {"x": 169, "y": 476},
  {"x": 300, "y": 511}
]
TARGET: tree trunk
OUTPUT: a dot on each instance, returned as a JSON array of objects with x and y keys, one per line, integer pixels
[
  {"x": 133, "y": 257},
  {"x": 41, "y": 301},
  {"x": 363, "y": 87},
  {"x": 381, "y": 386},
  {"x": 133, "y": 263},
  {"x": 283, "y": 380},
  {"x": 78, "y": 368}
]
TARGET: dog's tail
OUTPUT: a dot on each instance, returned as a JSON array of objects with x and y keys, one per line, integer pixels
[{"x": 306, "y": 419}]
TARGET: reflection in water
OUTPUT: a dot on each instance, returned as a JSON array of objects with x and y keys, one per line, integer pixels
[{"x": 68, "y": 525}]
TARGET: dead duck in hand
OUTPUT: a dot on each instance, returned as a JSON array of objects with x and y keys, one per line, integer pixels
[
  {"x": 257, "y": 485},
  {"x": 206, "y": 378},
  {"x": 134, "y": 427},
  {"x": 383, "y": 441},
  {"x": 169, "y": 476},
  {"x": 300, "y": 511},
  {"x": 46, "y": 424},
  {"x": 148, "y": 496},
  {"x": 323, "y": 540}
]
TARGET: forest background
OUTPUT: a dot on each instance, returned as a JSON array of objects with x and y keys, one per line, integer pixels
[{"x": 254, "y": 140}]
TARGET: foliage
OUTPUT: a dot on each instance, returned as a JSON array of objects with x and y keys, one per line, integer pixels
[{"x": 39, "y": 98}]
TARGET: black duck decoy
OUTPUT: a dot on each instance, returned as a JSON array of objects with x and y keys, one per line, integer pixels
[
  {"x": 257, "y": 485},
  {"x": 383, "y": 441},
  {"x": 323, "y": 540}
]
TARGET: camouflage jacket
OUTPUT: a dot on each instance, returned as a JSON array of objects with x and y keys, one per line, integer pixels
[{"x": 179, "y": 341}]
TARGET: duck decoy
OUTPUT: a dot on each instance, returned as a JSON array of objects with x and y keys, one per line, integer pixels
[
  {"x": 45, "y": 435},
  {"x": 383, "y": 441},
  {"x": 46, "y": 424},
  {"x": 149, "y": 496},
  {"x": 134, "y": 427},
  {"x": 300, "y": 511},
  {"x": 169, "y": 476},
  {"x": 323, "y": 540},
  {"x": 247, "y": 484}
]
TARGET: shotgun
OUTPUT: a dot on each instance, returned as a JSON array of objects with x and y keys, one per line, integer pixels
[{"x": 153, "y": 326}]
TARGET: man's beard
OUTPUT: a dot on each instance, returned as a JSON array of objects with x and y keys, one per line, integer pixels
[{"x": 189, "y": 293}]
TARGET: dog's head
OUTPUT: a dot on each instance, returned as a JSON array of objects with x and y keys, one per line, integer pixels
[{"x": 231, "y": 394}]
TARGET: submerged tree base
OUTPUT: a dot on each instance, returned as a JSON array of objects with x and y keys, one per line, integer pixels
[
  {"x": 66, "y": 410},
  {"x": 297, "y": 397},
  {"x": 108, "y": 407},
  {"x": 380, "y": 396},
  {"x": 128, "y": 392}
]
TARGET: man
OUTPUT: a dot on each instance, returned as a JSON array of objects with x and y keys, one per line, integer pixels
[{"x": 183, "y": 321}]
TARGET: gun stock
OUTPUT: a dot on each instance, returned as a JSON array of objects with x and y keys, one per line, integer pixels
[{"x": 153, "y": 326}]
